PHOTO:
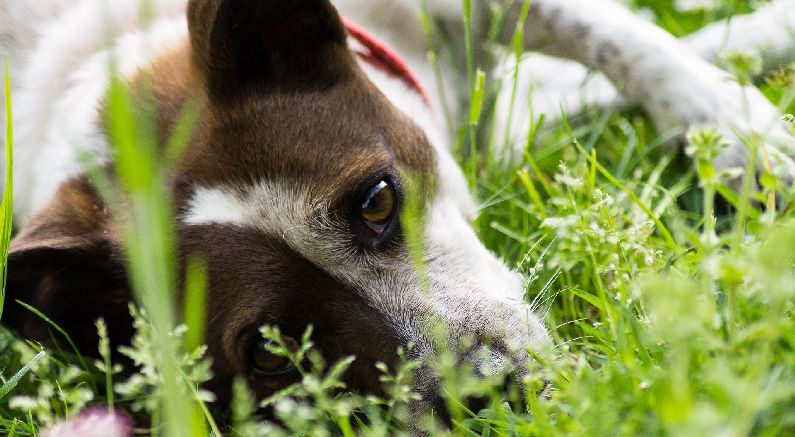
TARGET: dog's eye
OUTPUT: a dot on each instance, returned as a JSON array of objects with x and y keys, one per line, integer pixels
[
  {"x": 378, "y": 206},
  {"x": 266, "y": 363}
]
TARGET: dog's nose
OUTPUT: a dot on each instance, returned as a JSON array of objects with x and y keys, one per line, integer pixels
[
  {"x": 503, "y": 387},
  {"x": 446, "y": 410},
  {"x": 477, "y": 403},
  {"x": 500, "y": 372}
]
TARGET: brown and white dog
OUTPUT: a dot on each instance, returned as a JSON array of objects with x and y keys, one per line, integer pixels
[{"x": 292, "y": 183}]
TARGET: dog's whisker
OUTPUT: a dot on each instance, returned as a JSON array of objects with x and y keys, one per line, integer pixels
[
  {"x": 570, "y": 322},
  {"x": 545, "y": 289}
]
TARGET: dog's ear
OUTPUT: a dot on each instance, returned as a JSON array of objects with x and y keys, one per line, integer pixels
[
  {"x": 267, "y": 43},
  {"x": 64, "y": 264}
]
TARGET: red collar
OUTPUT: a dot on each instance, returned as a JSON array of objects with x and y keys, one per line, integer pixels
[{"x": 382, "y": 57}]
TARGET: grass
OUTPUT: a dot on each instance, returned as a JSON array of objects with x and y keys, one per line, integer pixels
[
  {"x": 672, "y": 314},
  {"x": 7, "y": 206}
]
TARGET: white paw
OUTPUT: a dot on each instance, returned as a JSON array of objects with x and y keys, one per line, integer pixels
[
  {"x": 742, "y": 115},
  {"x": 751, "y": 122}
]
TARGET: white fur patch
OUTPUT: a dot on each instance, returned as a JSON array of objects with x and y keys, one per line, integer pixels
[
  {"x": 273, "y": 208},
  {"x": 215, "y": 206},
  {"x": 65, "y": 79}
]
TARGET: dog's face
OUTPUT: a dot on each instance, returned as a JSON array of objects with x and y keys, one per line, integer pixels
[{"x": 291, "y": 190}]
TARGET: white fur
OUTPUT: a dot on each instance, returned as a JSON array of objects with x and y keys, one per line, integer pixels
[
  {"x": 544, "y": 85},
  {"x": 215, "y": 206},
  {"x": 19, "y": 24},
  {"x": 65, "y": 79},
  {"x": 770, "y": 32},
  {"x": 555, "y": 84},
  {"x": 397, "y": 22}
]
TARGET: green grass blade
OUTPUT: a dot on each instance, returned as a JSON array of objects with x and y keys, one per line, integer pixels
[
  {"x": 194, "y": 312},
  {"x": 7, "y": 207},
  {"x": 518, "y": 50},
  {"x": 60, "y": 330},
  {"x": 14, "y": 381}
]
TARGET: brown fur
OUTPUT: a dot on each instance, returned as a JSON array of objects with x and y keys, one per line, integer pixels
[{"x": 67, "y": 263}]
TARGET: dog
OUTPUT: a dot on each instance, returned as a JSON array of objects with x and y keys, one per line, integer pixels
[{"x": 293, "y": 180}]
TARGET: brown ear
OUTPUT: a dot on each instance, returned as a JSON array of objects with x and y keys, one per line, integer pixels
[
  {"x": 267, "y": 43},
  {"x": 64, "y": 264}
]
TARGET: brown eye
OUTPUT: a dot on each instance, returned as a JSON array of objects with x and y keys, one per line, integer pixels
[
  {"x": 267, "y": 363},
  {"x": 378, "y": 206}
]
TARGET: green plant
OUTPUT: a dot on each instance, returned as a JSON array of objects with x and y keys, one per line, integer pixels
[{"x": 7, "y": 206}]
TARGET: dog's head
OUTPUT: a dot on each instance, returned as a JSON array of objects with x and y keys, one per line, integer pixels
[{"x": 291, "y": 190}]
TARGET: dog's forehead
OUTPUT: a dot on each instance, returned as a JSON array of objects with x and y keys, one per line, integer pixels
[{"x": 332, "y": 140}]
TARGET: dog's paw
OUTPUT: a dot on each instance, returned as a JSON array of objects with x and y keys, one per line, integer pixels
[
  {"x": 752, "y": 123},
  {"x": 774, "y": 150},
  {"x": 743, "y": 116}
]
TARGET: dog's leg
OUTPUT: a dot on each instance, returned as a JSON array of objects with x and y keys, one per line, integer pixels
[
  {"x": 770, "y": 32},
  {"x": 557, "y": 83},
  {"x": 655, "y": 70},
  {"x": 546, "y": 86},
  {"x": 648, "y": 66}
]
